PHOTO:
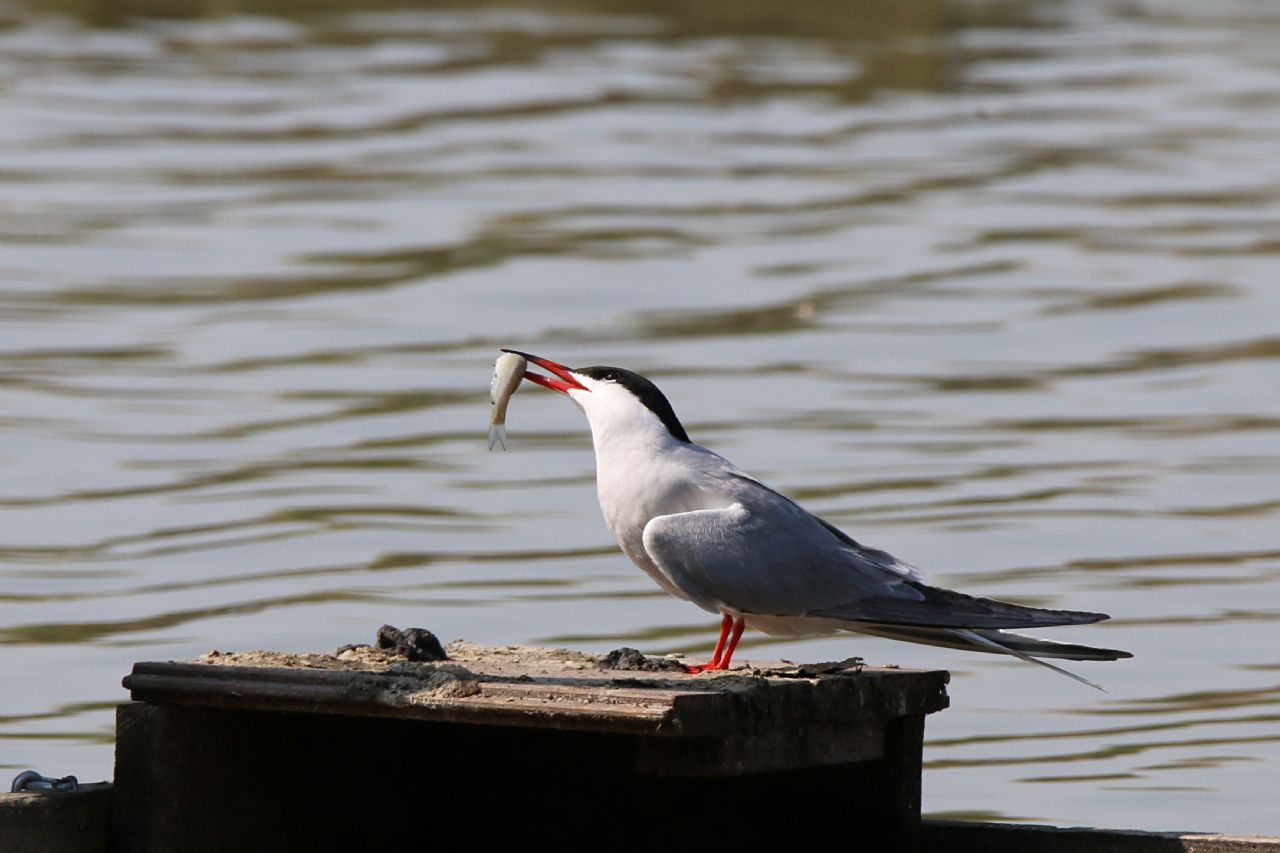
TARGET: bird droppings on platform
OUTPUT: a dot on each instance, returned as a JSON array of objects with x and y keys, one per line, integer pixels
[
  {"x": 456, "y": 669},
  {"x": 514, "y": 674},
  {"x": 462, "y": 662},
  {"x": 478, "y": 672},
  {"x": 446, "y": 682}
]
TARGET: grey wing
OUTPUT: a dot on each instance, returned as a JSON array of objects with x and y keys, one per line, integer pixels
[
  {"x": 764, "y": 554},
  {"x": 778, "y": 562}
]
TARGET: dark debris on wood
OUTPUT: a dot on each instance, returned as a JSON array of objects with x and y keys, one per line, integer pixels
[
  {"x": 413, "y": 644},
  {"x": 635, "y": 660}
]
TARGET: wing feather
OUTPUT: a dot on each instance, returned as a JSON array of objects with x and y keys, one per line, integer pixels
[
  {"x": 779, "y": 562},
  {"x": 764, "y": 554}
]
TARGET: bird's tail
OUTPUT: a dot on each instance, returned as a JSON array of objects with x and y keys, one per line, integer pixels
[{"x": 1021, "y": 646}]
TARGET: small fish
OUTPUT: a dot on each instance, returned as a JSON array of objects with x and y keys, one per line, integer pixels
[{"x": 508, "y": 370}]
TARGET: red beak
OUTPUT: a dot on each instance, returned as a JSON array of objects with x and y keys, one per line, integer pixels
[{"x": 569, "y": 383}]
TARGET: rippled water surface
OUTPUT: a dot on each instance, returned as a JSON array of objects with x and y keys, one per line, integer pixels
[{"x": 991, "y": 285}]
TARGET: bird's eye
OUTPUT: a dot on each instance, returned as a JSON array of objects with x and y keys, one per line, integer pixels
[{"x": 610, "y": 376}]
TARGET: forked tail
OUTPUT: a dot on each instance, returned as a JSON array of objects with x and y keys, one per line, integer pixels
[{"x": 1021, "y": 646}]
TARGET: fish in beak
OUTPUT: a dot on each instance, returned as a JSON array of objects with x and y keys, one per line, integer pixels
[{"x": 564, "y": 384}]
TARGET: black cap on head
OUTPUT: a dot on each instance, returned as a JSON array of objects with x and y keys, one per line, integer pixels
[{"x": 646, "y": 392}]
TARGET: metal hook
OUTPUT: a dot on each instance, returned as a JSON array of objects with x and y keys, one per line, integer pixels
[{"x": 30, "y": 780}]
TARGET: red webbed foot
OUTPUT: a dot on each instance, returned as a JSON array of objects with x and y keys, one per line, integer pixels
[{"x": 723, "y": 654}]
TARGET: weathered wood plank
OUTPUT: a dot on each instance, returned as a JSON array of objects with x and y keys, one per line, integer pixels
[
  {"x": 755, "y": 719},
  {"x": 652, "y": 756}
]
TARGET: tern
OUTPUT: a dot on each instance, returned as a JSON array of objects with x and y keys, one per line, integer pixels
[{"x": 715, "y": 536}]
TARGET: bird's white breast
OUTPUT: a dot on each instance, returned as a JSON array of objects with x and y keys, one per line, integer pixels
[
  {"x": 643, "y": 471},
  {"x": 637, "y": 482}
]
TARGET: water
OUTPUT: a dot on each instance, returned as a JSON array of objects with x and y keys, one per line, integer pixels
[{"x": 991, "y": 285}]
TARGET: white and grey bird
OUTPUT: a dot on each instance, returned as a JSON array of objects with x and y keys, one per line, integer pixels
[{"x": 717, "y": 537}]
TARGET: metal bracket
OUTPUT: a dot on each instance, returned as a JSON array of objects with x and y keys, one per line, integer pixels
[{"x": 30, "y": 780}]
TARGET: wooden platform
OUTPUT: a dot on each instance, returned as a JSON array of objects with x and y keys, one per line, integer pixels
[
  {"x": 361, "y": 750},
  {"x": 760, "y": 719},
  {"x": 253, "y": 750}
]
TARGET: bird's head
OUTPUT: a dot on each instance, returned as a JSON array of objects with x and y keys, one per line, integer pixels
[{"x": 617, "y": 401}]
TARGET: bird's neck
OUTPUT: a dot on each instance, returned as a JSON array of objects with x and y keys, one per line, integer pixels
[
  {"x": 630, "y": 434},
  {"x": 637, "y": 473}
]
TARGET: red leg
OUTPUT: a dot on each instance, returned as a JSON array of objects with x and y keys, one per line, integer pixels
[
  {"x": 714, "y": 663},
  {"x": 739, "y": 624}
]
